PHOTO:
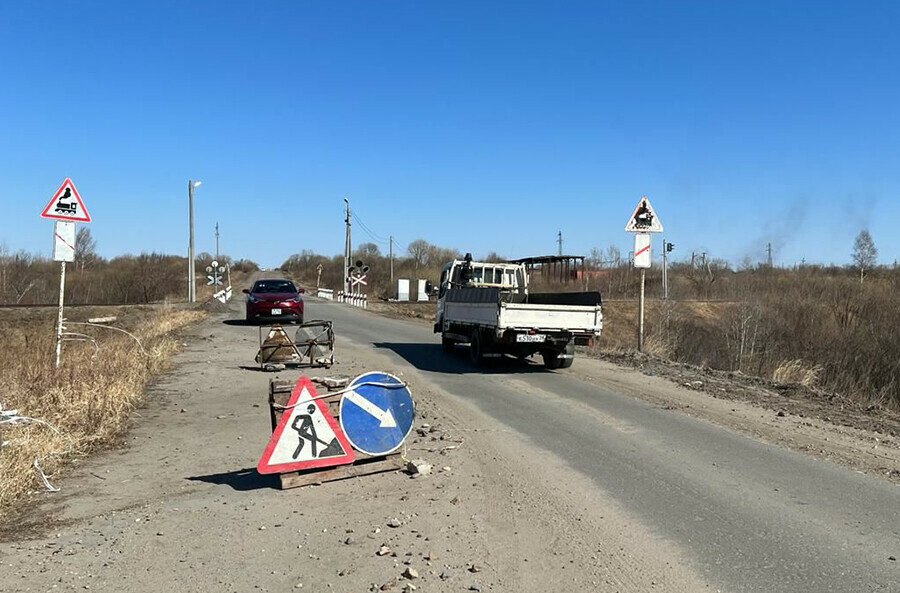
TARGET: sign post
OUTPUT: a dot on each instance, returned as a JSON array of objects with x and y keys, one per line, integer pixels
[
  {"x": 67, "y": 207},
  {"x": 63, "y": 251},
  {"x": 642, "y": 222}
]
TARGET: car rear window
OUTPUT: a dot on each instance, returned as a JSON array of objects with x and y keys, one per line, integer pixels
[{"x": 270, "y": 286}]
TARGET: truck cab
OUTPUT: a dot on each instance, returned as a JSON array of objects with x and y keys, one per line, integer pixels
[{"x": 509, "y": 278}]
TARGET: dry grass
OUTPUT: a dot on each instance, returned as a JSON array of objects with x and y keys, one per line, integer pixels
[
  {"x": 88, "y": 400},
  {"x": 818, "y": 328},
  {"x": 796, "y": 371}
]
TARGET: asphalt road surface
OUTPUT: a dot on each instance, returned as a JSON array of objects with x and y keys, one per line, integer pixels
[{"x": 748, "y": 516}]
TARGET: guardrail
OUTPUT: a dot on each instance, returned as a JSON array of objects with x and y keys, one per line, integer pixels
[{"x": 356, "y": 300}]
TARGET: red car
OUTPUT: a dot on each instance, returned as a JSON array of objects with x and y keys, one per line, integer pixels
[{"x": 274, "y": 300}]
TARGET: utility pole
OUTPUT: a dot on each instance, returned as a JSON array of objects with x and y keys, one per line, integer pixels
[
  {"x": 559, "y": 240},
  {"x": 667, "y": 247},
  {"x": 217, "y": 241},
  {"x": 391, "y": 251},
  {"x": 769, "y": 254},
  {"x": 347, "y": 254},
  {"x": 192, "y": 289},
  {"x": 665, "y": 270}
]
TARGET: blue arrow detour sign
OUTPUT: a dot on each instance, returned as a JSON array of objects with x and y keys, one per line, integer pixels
[{"x": 377, "y": 413}]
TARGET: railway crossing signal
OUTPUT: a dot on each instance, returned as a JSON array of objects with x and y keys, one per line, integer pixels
[
  {"x": 357, "y": 276},
  {"x": 213, "y": 273}
]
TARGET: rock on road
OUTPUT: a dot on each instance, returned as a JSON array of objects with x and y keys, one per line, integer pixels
[{"x": 541, "y": 480}]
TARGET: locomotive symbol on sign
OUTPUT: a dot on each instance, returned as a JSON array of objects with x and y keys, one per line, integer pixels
[{"x": 66, "y": 207}]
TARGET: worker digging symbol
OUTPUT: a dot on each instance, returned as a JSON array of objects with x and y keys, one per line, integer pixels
[
  {"x": 307, "y": 432},
  {"x": 643, "y": 218},
  {"x": 66, "y": 207}
]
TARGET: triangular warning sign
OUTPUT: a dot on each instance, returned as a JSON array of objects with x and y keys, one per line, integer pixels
[
  {"x": 307, "y": 436},
  {"x": 277, "y": 347},
  {"x": 66, "y": 204},
  {"x": 644, "y": 219}
]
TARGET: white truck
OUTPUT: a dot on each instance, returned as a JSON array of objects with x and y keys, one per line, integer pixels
[{"x": 488, "y": 306}]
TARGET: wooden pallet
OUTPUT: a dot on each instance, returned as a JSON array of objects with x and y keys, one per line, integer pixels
[{"x": 365, "y": 465}]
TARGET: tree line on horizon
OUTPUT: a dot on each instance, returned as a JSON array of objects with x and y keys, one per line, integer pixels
[
  {"x": 28, "y": 279},
  {"x": 151, "y": 277}
]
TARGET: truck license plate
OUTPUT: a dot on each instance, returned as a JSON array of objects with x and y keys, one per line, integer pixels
[
  {"x": 276, "y": 311},
  {"x": 531, "y": 337}
]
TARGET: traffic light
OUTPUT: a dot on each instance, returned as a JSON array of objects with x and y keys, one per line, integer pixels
[{"x": 670, "y": 247}]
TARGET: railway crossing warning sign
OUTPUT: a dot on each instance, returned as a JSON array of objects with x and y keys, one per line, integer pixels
[
  {"x": 644, "y": 219},
  {"x": 377, "y": 413},
  {"x": 307, "y": 436},
  {"x": 66, "y": 204}
]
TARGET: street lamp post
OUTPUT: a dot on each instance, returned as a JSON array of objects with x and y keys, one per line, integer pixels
[
  {"x": 192, "y": 290},
  {"x": 347, "y": 252}
]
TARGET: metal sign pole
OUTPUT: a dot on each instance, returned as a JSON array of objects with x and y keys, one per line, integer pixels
[
  {"x": 59, "y": 319},
  {"x": 641, "y": 314},
  {"x": 665, "y": 271}
]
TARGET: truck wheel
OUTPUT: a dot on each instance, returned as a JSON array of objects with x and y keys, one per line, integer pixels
[
  {"x": 570, "y": 352},
  {"x": 476, "y": 349},
  {"x": 447, "y": 344},
  {"x": 552, "y": 359}
]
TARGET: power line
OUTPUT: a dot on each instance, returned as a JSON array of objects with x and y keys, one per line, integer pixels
[
  {"x": 369, "y": 231},
  {"x": 371, "y": 236},
  {"x": 375, "y": 236}
]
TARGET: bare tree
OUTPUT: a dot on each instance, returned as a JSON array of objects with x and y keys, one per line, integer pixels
[
  {"x": 85, "y": 249},
  {"x": 418, "y": 251},
  {"x": 864, "y": 253},
  {"x": 368, "y": 250},
  {"x": 22, "y": 274},
  {"x": 441, "y": 255}
]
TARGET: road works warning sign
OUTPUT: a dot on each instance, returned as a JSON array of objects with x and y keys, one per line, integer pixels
[
  {"x": 66, "y": 204},
  {"x": 307, "y": 436}
]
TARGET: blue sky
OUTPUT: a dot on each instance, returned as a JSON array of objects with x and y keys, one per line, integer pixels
[{"x": 477, "y": 125}]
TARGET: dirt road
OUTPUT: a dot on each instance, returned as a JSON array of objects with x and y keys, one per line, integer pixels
[{"x": 558, "y": 479}]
